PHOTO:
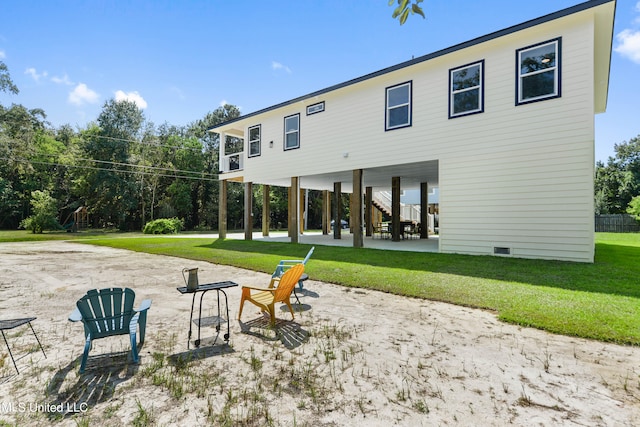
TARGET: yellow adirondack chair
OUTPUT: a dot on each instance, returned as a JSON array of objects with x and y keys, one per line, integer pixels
[{"x": 266, "y": 298}]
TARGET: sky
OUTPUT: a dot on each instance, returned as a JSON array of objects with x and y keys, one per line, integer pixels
[{"x": 179, "y": 60}]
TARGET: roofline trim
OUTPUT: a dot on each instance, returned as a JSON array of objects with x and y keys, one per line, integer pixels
[{"x": 460, "y": 46}]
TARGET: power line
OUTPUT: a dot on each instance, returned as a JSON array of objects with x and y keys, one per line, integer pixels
[
  {"x": 129, "y": 165},
  {"x": 22, "y": 160}
]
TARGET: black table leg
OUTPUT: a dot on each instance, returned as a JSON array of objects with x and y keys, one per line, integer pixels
[
  {"x": 10, "y": 354},
  {"x": 193, "y": 300}
]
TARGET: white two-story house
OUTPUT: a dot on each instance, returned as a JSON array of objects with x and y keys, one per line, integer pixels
[{"x": 502, "y": 125}]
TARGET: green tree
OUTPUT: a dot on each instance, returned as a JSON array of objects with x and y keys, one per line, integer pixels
[
  {"x": 6, "y": 84},
  {"x": 401, "y": 12},
  {"x": 20, "y": 129},
  {"x": 111, "y": 188},
  {"x": 207, "y": 212},
  {"x": 45, "y": 212},
  {"x": 634, "y": 207},
  {"x": 617, "y": 182}
]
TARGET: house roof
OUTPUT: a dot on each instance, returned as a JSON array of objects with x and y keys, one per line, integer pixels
[{"x": 604, "y": 22}]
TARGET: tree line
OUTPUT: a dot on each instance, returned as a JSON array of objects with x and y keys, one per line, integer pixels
[
  {"x": 123, "y": 168},
  {"x": 617, "y": 183}
]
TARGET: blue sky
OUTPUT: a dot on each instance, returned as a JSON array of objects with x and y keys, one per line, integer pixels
[{"x": 182, "y": 59}]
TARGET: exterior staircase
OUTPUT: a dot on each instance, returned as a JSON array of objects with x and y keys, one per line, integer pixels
[{"x": 382, "y": 201}]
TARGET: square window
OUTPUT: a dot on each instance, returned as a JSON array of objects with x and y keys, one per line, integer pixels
[
  {"x": 292, "y": 132},
  {"x": 254, "y": 140},
  {"x": 538, "y": 69},
  {"x": 466, "y": 90},
  {"x": 398, "y": 106}
]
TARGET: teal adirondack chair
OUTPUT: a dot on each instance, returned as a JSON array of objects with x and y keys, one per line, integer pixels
[
  {"x": 109, "y": 312},
  {"x": 285, "y": 265}
]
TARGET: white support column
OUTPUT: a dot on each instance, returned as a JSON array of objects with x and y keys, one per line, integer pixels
[{"x": 221, "y": 148}]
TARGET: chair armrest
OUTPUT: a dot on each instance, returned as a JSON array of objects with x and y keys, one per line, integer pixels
[
  {"x": 257, "y": 288},
  {"x": 291, "y": 261},
  {"x": 144, "y": 305},
  {"x": 75, "y": 316}
]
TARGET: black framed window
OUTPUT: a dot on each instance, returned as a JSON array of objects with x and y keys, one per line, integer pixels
[
  {"x": 538, "y": 72},
  {"x": 254, "y": 140},
  {"x": 292, "y": 132},
  {"x": 398, "y": 106},
  {"x": 315, "y": 108},
  {"x": 466, "y": 89}
]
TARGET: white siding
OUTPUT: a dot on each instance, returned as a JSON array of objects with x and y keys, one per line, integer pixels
[{"x": 513, "y": 176}]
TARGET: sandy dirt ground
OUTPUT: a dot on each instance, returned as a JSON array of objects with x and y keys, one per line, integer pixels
[{"x": 350, "y": 357}]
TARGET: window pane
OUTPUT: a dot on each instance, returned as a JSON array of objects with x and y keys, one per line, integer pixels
[
  {"x": 466, "y": 78},
  {"x": 398, "y": 116},
  {"x": 292, "y": 140},
  {"x": 254, "y": 134},
  {"x": 234, "y": 163},
  {"x": 291, "y": 124},
  {"x": 398, "y": 95},
  {"x": 466, "y": 101},
  {"x": 538, "y": 85},
  {"x": 254, "y": 148},
  {"x": 539, "y": 58}
]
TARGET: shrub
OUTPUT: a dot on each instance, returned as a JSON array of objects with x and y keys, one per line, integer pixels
[
  {"x": 163, "y": 226},
  {"x": 44, "y": 209}
]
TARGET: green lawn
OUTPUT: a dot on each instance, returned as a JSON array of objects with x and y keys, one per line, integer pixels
[{"x": 599, "y": 301}]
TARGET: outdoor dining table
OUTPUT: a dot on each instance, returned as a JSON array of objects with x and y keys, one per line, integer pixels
[{"x": 219, "y": 287}]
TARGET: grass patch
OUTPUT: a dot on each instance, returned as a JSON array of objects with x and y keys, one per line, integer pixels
[{"x": 597, "y": 301}]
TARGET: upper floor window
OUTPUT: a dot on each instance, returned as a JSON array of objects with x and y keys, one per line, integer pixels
[
  {"x": 466, "y": 89},
  {"x": 292, "y": 132},
  {"x": 398, "y": 106},
  {"x": 538, "y": 72},
  {"x": 254, "y": 140},
  {"x": 315, "y": 108}
]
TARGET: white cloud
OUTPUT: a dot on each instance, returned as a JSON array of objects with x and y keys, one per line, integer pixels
[
  {"x": 223, "y": 102},
  {"x": 278, "y": 66},
  {"x": 134, "y": 97},
  {"x": 34, "y": 74},
  {"x": 64, "y": 80},
  {"x": 81, "y": 94},
  {"x": 2, "y": 54},
  {"x": 629, "y": 44}
]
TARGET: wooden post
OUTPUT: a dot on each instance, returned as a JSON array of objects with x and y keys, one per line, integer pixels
[
  {"x": 293, "y": 209},
  {"x": 337, "y": 208},
  {"x": 302, "y": 206},
  {"x": 395, "y": 208},
  {"x": 266, "y": 210},
  {"x": 326, "y": 211},
  {"x": 356, "y": 213},
  {"x": 222, "y": 210},
  {"x": 248, "y": 211},
  {"x": 368, "y": 211},
  {"x": 424, "y": 210}
]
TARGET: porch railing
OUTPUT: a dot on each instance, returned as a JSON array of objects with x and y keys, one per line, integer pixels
[{"x": 232, "y": 162}]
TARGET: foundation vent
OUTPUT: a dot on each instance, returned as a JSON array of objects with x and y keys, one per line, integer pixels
[{"x": 497, "y": 250}]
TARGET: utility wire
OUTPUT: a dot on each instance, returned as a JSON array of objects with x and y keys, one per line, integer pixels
[
  {"x": 22, "y": 160},
  {"x": 134, "y": 165}
]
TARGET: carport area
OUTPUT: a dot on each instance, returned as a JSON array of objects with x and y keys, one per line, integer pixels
[{"x": 364, "y": 212}]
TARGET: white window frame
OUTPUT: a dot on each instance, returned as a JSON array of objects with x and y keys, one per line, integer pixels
[
  {"x": 390, "y": 108},
  {"x": 291, "y": 132},
  {"x": 254, "y": 142},
  {"x": 479, "y": 87},
  {"x": 520, "y": 77}
]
